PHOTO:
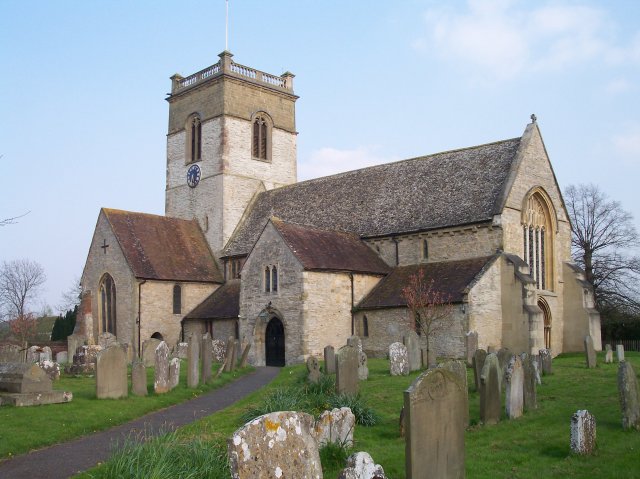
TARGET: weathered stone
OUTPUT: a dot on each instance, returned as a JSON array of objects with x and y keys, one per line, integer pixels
[
  {"x": 514, "y": 388},
  {"x": 471, "y": 343},
  {"x": 620, "y": 352},
  {"x": 529, "y": 393},
  {"x": 329, "y": 360},
  {"x": 583, "y": 432},
  {"x": 478, "y": 363},
  {"x": 105, "y": 340},
  {"x": 490, "y": 397},
  {"x": 313, "y": 368},
  {"x": 363, "y": 367},
  {"x": 491, "y": 349},
  {"x": 229, "y": 358},
  {"x": 355, "y": 342},
  {"x": 33, "y": 354},
  {"x": 138, "y": 378},
  {"x": 51, "y": 368},
  {"x": 161, "y": 375},
  {"x": 207, "y": 358},
  {"x": 504, "y": 357},
  {"x": 608, "y": 354},
  {"x": 362, "y": 466},
  {"x": 535, "y": 361},
  {"x": 11, "y": 353},
  {"x": 398, "y": 359},
  {"x": 245, "y": 355},
  {"x": 74, "y": 341},
  {"x": 347, "y": 370},
  {"x": 459, "y": 369},
  {"x": 335, "y": 426},
  {"x": 590, "y": 352},
  {"x": 23, "y": 378},
  {"x": 174, "y": 373},
  {"x": 62, "y": 357},
  {"x": 546, "y": 361},
  {"x": 276, "y": 445},
  {"x": 234, "y": 357},
  {"x": 193, "y": 362},
  {"x": 181, "y": 350},
  {"x": 45, "y": 354},
  {"x": 629, "y": 396},
  {"x": 149, "y": 351},
  {"x": 219, "y": 350},
  {"x": 84, "y": 361},
  {"x": 35, "y": 399},
  {"x": 111, "y": 373},
  {"x": 412, "y": 343},
  {"x": 434, "y": 425}
]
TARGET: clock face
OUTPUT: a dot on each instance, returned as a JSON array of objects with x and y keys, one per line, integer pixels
[{"x": 193, "y": 176}]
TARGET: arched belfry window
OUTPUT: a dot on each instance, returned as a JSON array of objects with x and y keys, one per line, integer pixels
[
  {"x": 107, "y": 305},
  {"x": 194, "y": 138},
  {"x": 177, "y": 299},
  {"x": 261, "y": 137},
  {"x": 538, "y": 227}
]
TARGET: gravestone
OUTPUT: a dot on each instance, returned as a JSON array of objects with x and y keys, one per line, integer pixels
[
  {"x": 583, "y": 432},
  {"x": 10, "y": 353},
  {"x": 355, "y": 342},
  {"x": 335, "y": 426},
  {"x": 329, "y": 360},
  {"x": 219, "y": 350},
  {"x": 74, "y": 341},
  {"x": 490, "y": 397},
  {"x": 276, "y": 445},
  {"x": 245, "y": 355},
  {"x": 174, "y": 373},
  {"x": 26, "y": 384},
  {"x": 361, "y": 465},
  {"x": 51, "y": 368},
  {"x": 412, "y": 343},
  {"x": 234, "y": 358},
  {"x": 434, "y": 425},
  {"x": 181, "y": 350},
  {"x": 535, "y": 361},
  {"x": 105, "y": 340},
  {"x": 459, "y": 368},
  {"x": 45, "y": 354},
  {"x": 149, "y": 352},
  {"x": 363, "y": 367},
  {"x": 347, "y": 370},
  {"x": 491, "y": 349},
  {"x": 545, "y": 361},
  {"x": 138, "y": 378},
  {"x": 313, "y": 369},
  {"x": 193, "y": 362},
  {"x": 514, "y": 388},
  {"x": 471, "y": 344},
  {"x": 84, "y": 361},
  {"x": 620, "y": 352},
  {"x": 478, "y": 363},
  {"x": 33, "y": 354},
  {"x": 230, "y": 356},
  {"x": 504, "y": 357},
  {"x": 161, "y": 375},
  {"x": 62, "y": 357},
  {"x": 398, "y": 359},
  {"x": 207, "y": 358},
  {"x": 111, "y": 373},
  {"x": 629, "y": 396},
  {"x": 608, "y": 354},
  {"x": 590, "y": 352},
  {"x": 529, "y": 398}
]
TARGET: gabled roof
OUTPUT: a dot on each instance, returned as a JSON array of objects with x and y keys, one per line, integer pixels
[
  {"x": 163, "y": 248},
  {"x": 223, "y": 303},
  {"x": 446, "y": 189},
  {"x": 319, "y": 249},
  {"x": 450, "y": 277}
]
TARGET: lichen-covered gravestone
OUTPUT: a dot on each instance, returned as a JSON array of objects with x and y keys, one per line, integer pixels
[
  {"x": 459, "y": 368},
  {"x": 138, "y": 378},
  {"x": 545, "y": 361},
  {"x": 335, "y": 426},
  {"x": 347, "y": 370},
  {"x": 412, "y": 343},
  {"x": 629, "y": 396},
  {"x": 51, "y": 368},
  {"x": 181, "y": 350},
  {"x": 45, "y": 354},
  {"x": 471, "y": 344},
  {"x": 514, "y": 388},
  {"x": 174, "y": 373},
  {"x": 583, "y": 432},
  {"x": 490, "y": 397},
  {"x": 363, "y": 367},
  {"x": 398, "y": 359},
  {"x": 33, "y": 354},
  {"x": 529, "y": 393},
  {"x": 313, "y": 369},
  {"x": 434, "y": 425},
  {"x": 161, "y": 378},
  {"x": 608, "y": 354},
  {"x": 219, "y": 350},
  {"x": 478, "y": 363},
  {"x": 276, "y": 445},
  {"x": 193, "y": 362},
  {"x": 329, "y": 360},
  {"x": 590, "y": 352},
  {"x": 620, "y": 352},
  {"x": 111, "y": 373},
  {"x": 207, "y": 358},
  {"x": 105, "y": 340},
  {"x": 361, "y": 465}
]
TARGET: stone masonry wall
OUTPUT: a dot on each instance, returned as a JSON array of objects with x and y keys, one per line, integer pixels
[{"x": 485, "y": 307}]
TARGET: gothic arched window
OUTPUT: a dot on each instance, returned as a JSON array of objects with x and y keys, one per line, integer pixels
[
  {"x": 177, "y": 299},
  {"x": 274, "y": 278},
  {"x": 194, "y": 139},
  {"x": 267, "y": 280},
  {"x": 538, "y": 227},
  {"x": 261, "y": 137},
  {"x": 107, "y": 305}
]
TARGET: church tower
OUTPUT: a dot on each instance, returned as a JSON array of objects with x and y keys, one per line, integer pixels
[{"x": 231, "y": 135}]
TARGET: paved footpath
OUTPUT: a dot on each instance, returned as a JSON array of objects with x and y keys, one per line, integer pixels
[{"x": 69, "y": 458}]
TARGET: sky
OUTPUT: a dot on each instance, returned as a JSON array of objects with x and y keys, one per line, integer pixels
[{"x": 83, "y": 83}]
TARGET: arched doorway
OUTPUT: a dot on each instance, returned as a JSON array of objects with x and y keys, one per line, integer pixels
[
  {"x": 542, "y": 304},
  {"x": 274, "y": 343}
]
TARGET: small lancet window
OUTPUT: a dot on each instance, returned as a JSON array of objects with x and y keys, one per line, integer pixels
[
  {"x": 260, "y": 138},
  {"x": 267, "y": 280},
  {"x": 274, "y": 279},
  {"x": 194, "y": 139},
  {"x": 365, "y": 327},
  {"x": 425, "y": 249},
  {"x": 177, "y": 299}
]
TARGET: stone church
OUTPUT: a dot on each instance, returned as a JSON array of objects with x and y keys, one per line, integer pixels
[{"x": 245, "y": 250}]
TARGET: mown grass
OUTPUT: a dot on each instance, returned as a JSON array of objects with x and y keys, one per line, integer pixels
[{"x": 26, "y": 428}]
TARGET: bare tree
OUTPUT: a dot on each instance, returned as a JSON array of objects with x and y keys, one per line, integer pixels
[
  {"x": 602, "y": 242},
  {"x": 71, "y": 297},
  {"x": 12, "y": 220},
  {"x": 20, "y": 282}
]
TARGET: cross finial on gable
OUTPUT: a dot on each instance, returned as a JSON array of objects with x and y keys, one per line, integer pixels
[{"x": 533, "y": 118}]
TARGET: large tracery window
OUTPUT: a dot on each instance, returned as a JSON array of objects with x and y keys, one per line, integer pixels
[
  {"x": 107, "y": 305},
  {"x": 538, "y": 228}
]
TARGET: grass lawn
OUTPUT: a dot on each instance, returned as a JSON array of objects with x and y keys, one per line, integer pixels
[
  {"x": 534, "y": 446},
  {"x": 26, "y": 428}
]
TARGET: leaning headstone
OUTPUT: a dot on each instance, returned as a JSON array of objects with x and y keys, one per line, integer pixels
[
  {"x": 412, "y": 343},
  {"x": 529, "y": 398},
  {"x": 161, "y": 378},
  {"x": 590, "y": 352},
  {"x": 490, "y": 397},
  {"x": 460, "y": 370},
  {"x": 313, "y": 369},
  {"x": 478, "y": 363},
  {"x": 545, "y": 361},
  {"x": 355, "y": 342},
  {"x": 362, "y": 466},
  {"x": 174, "y": 373},
  {"x": 138, "y": 378},
  {"x": 193, "y": 362},
  {"x": 363, "y": 367},
  {"x": 434, "y": 425},
  {"x": 471, "y": 343},
  {"x": 45, "y": 354},
  {"x": 620, "y": 352},
  {"x": 149, "y": 351},
  {"x": 347, "y": 370},
  {"x": 219, "y": 350},
  {"x": 335, "y": 426},
  {"x": 105, "y": 340},
  {"x": 245, "y": 355},
  {"x": 629, "y": 396},
  {"x": 398, "y": 359},
  {"x": 33, "y": 354},
  {"x": 111, "y": 373},
  {"x": 230, "y": 356},
  {"x": 583, "y": 432},
  {"x": 514, "y": 388},
  {"x": 10, "y": 353},
  {"x": 329, "y": 360},
  {"x": 276, "y": 445},
  {"x": 207, "y": 358},
  {"x": 608, "y": 354},
  {"x": 181, "y": 350},
  {"x": 62, "y": 357}
]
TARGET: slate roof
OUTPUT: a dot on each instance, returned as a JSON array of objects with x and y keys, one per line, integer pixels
[
  {"x": 223, "y": 303},
  {"x": 163, "y": 248},
  {"x": 450, "y": 277},
  {"x": 445, "y": 189},
  {"x": 319, "y": 249}
]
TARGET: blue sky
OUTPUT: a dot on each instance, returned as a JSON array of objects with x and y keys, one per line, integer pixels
[{"x": 84, "y": 82}]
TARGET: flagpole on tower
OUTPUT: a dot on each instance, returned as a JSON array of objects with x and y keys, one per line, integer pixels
[{"x": 226, "y": 27}]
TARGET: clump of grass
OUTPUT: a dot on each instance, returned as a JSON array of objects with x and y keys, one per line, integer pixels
[
  {"x": 365, "y": 415},
  {"x": 333, "y": 455},
  {"x": 281, "y": 399}
]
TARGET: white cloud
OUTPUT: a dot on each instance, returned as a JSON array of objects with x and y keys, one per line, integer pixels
[
  {"x": 329, "y": 161},
  {"x": 627, "y": 144}
]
